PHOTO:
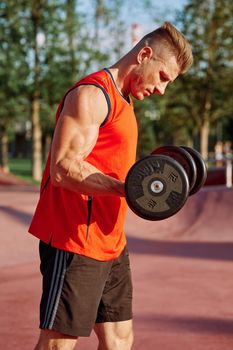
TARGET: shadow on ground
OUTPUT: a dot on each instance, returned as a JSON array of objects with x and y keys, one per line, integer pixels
[
  {"x": 192, "y": 324},
  {"x": 198, "y": 250},
  {"x": 16, "y": 214}
]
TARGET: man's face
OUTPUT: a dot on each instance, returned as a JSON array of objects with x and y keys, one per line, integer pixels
[{"x": 153, "y": 75}]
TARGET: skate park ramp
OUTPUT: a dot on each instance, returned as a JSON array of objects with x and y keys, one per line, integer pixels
[
  {"x": 204, "y": 217},
  {"x": 181, "y": 268}
]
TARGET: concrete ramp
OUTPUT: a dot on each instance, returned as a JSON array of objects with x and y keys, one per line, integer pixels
[{"x": 206, "y": 216}]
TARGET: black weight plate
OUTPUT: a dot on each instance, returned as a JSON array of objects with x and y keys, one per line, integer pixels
[
  {"x": 183, "y": 158},
  {"x": 201, "y": 169},
  {"x": 156, "y": 187}
]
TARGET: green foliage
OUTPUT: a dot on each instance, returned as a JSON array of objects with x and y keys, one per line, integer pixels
[
  {"x": 208, "y": 25},
  {"x": 205, "y": 91},
  {"x": 146, "y": 115},
  {"x": 22, "y": 168},
  {"x": 14, "y": 68},
  {"x": 74, "y": 42}
]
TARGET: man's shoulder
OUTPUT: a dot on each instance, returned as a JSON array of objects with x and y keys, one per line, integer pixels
[{"x": 98, "y": 77}]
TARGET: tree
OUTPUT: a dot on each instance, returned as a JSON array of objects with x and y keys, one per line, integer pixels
[
  {"x": 197, "y": 101},
  {"x": 13, "y": 73},
  {"x": 208, "y": 25},
  {"x": 36, "y": 10},
  {"x": 21, "y": 24}
]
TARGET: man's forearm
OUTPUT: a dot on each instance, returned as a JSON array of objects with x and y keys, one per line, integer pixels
[{"x": 82, "y": 177}]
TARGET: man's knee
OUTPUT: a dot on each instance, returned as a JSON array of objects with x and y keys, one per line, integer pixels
[
  {"x": 115, "y": 336},
  {"x": 52, "y": 340},
  {"x": 124, "y": 335},
  {"x": 123, "y": 340},
  {"x": 120, "y": 341}
]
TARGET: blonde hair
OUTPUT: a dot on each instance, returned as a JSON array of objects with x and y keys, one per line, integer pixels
[{"x": 172, "y": 40}]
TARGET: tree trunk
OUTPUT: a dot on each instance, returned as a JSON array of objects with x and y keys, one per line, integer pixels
[
  {"x": 4, "y": 151},
  {"x": 204, "y": 138},
  {"x": 205, "y": 126},
  {"x": 36, "y": 140},
  {"x": 36, "y": 128}
]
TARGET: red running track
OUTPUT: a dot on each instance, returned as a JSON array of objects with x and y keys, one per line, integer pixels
[{"x": 182, "y": 271}]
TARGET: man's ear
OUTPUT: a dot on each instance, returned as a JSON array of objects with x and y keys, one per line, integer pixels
[{"x": 144, "y": 54}]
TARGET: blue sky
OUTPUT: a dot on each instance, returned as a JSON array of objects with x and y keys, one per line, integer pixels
[
  {"x": 147, "y": 18},
  {"x": 163, "y": 10},
  {"x": 136, "y": 11}
]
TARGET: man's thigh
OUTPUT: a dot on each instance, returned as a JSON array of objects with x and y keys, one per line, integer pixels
[{"x": 116, "y": 301}]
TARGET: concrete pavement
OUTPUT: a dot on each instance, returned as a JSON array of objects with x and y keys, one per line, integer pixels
[{"x": 182, "y": 271}]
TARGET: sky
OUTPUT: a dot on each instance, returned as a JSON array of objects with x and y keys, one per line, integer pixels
[
  {"x": 148, "y": 20},
  {"x": 136, "y": 11}
]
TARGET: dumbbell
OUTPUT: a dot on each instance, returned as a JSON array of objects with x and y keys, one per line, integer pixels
[
  {"x": 201, "y": 174},
  {"x": 158, "y": 185},
  {"x": 191, "y": 161}
]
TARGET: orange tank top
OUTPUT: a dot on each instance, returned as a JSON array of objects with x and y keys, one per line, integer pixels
[{"x": 92, "y": 225}]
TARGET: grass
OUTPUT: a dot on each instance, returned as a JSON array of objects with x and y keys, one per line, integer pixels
[{"x": 22, "y": 167}]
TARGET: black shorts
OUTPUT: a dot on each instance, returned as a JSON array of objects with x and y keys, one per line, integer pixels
[{"x": 79, "y": 291}]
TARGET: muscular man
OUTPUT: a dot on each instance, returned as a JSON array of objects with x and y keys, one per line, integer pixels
[{"x": 81, "y": 211}]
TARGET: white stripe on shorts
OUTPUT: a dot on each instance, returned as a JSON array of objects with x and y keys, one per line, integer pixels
[{"x": 59, "y": 271}]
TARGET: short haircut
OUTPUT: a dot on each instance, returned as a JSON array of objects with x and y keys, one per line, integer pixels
[{"x": 172, "y": 40}]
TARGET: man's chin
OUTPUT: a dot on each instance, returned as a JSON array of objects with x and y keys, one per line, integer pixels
[{"x": 139, "y": 96}]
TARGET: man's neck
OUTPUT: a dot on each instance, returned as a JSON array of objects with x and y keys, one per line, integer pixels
[{"x": 121, "y": 73}]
